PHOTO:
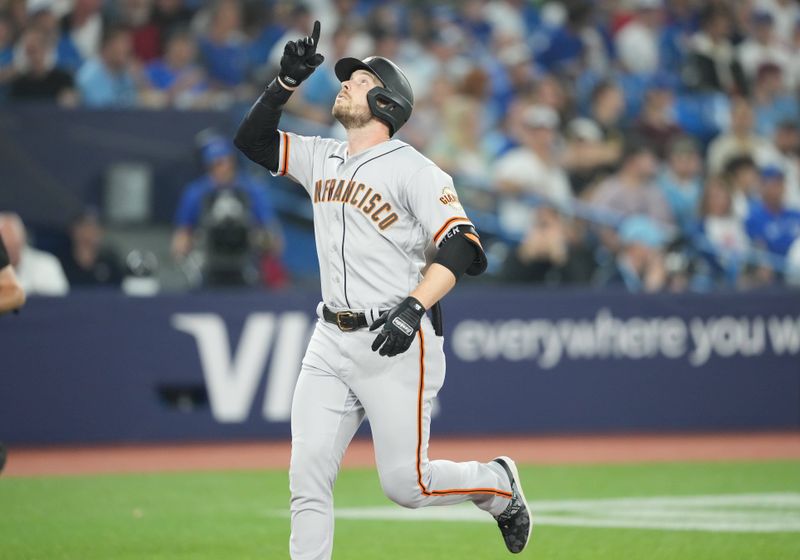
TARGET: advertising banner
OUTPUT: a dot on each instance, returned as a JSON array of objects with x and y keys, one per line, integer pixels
[{"x": 102, "y": 367}]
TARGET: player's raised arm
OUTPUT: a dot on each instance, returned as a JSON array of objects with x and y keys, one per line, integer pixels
[{"x": 258, "y": 136}]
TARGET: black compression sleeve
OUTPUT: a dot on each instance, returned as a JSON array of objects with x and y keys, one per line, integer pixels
[
  {"x": 457, "y": 255},
  {"x": 257, "y": 136},
  {"x": 4, "y": 261}
]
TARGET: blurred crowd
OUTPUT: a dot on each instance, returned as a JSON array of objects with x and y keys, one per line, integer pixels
[{"x": 647, "y": 144}]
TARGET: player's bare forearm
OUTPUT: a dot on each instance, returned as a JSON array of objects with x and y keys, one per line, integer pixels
[
  {"x": 12, "y": 296},
  {"x": 438, "y": 281}
]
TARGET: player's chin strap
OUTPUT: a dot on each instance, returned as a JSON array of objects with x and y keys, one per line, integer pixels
[{"x": 436, "y": 318}]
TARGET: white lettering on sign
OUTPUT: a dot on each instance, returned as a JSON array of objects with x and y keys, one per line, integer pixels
[
  {"x": 232, "y": 379},
  {"x": 697, "y": 340}
]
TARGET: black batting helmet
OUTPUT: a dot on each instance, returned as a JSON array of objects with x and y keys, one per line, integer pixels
[{"x": 396, "y": 94}]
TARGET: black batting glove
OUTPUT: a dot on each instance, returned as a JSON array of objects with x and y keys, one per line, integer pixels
[
  {"x": 300, "y": 59},
  {"x": 400, "y": 326}
]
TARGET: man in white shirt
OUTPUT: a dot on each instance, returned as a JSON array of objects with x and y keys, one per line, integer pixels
[
  {"x": 763, "y": 47},
  {"x": 741, "y": 139},
  {"x": 39, "y": 273},
  {"x": 785, "y": 13},
  {"x": 532, "y": 169},
  {"x": 637, "y": 42}
]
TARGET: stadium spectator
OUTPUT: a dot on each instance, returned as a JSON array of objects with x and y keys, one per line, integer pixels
[
  {"x": 136, "y": 15},
  {"x": 741, "y": 139},
  {"x": 787, "y": 144},
  {"x": 639, "y": 265},
  {"x": 762, "y": 47},
  {"x": 785, "y": 14},
  {"x": 722, "y": 240},
  {"x": 607, "y": 109},
  {"x": 794, "y": 70},
  {"x": 637, "y": 43},
  {"x": 590, "y": 158},
  {"x": 631, "y": 191},
  {"x": 678, "y": 28},
  {"x": 741, "y": 176},
  {"x": 656, "y": 121},
  {"x": 82, "y": 32},
  {"x": 179, "y": 80},
  {"x": 39, "y": 272},
  {"x": 570, "y": 48},
  {"x": 46, "y": 16},
  {"x": 224, "y": 48},
  {"x": 41, "y": 80},
  {"x": 423, "y": 130},
  {"x": 549, "y": 91},
  {"x": 481, "y": 20},
  {"x": 552, "y": 252},
  {"x": 711, "y": 64},
  {"x": 681, "y": 182},
  {"x": 770, "y": 224},
  {"x": 109, "y": 80},
  {"x": 772, "y": 102},
  {"x": 229, "y": 215},
  {"x": 171, "y": 16},
  {"x": 91, "y": 261},
  {"x": 513, "y": 76},
  {"x": 531, "y": 169},
  {"x": 587, "y": 157},
  {"x": 458, "y": 146}
]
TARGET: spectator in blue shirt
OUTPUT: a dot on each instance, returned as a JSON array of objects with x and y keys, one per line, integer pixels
[
  {"x": 564, "y": 47},
  {"x": 770, "y": 224},
  {"x": 639, "y": 264},
  {"x": 176, "y": 76},
  {"x": 681, "y": 182},
  {"x": 108, "y": 80},
  {"x": 229, "y": 214},
  {"x": 772, "y": 101},
  {"x": 224, "y": 48}
]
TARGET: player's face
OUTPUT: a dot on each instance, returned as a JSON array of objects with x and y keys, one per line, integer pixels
[{"x": 351, "y": 108}]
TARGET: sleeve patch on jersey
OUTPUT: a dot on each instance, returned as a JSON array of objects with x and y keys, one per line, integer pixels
[
  {"x": 450, "y": 198},
  {"x": 437, "y": 239}
]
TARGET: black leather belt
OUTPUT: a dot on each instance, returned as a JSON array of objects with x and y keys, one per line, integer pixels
[{"x": 345, "y": 320}]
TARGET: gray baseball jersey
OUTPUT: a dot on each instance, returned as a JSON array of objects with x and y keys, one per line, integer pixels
[{"x": 375, "y": 214}]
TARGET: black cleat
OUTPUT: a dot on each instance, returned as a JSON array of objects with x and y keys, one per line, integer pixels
[{"x": 515, "y": 522}]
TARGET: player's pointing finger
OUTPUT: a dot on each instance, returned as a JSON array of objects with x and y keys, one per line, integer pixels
[{"x": 315, "y": 34}]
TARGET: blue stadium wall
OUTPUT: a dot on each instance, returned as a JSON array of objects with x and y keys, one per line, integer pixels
[{"x": 101, "y": 367}]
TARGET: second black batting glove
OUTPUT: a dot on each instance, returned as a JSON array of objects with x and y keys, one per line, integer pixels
[
  {"x": 400, "y": 326},
  {"x": 300, "y": 58}
]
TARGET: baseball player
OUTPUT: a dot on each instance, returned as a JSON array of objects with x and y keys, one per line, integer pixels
[{"x": 378, "y": 205}]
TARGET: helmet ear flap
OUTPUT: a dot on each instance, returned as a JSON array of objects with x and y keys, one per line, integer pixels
[{"x": 389, "y": 107}]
